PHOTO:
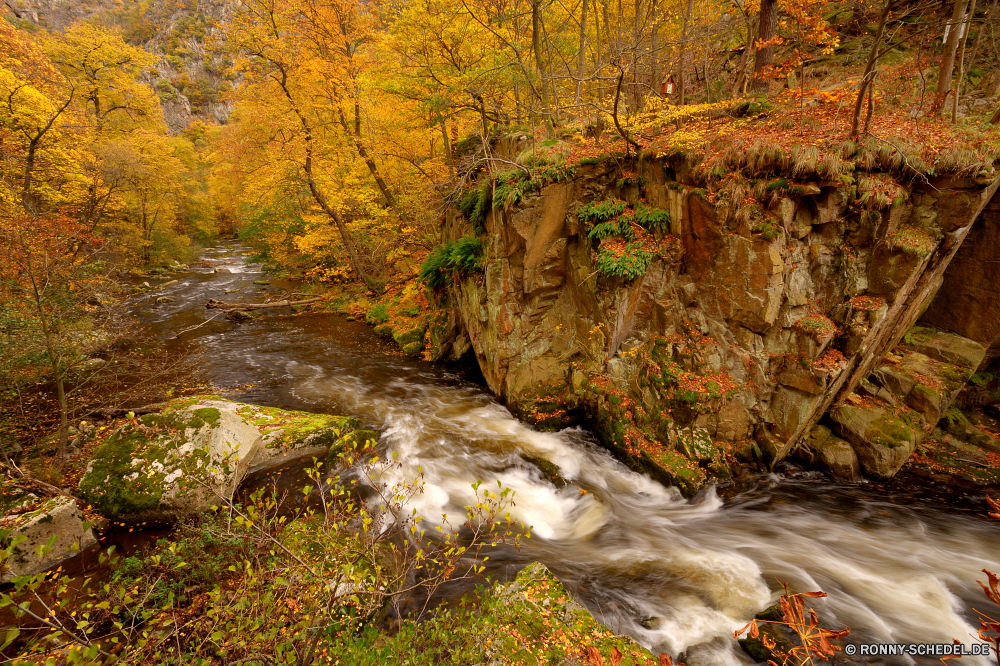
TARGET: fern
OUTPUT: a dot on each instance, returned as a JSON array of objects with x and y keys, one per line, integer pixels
[
  {"x": 630, "y": 264},
  {"x": 459, "y": 257},
  {"x": 654, "y": 219}
]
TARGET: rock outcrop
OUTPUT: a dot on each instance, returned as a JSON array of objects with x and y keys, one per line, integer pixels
[{"x": 744, "y": 327}]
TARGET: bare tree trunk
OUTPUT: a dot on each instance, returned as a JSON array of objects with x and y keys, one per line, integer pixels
[
  {"x": 654, "y": 42},
  {"x": 869, "y": 75},
  {"x": 582, "y": 56},
  {"x": 765, "y": 55},
  {"x": 990, "y": 16},
  {"x": 961, "y": 60},
  {"x": 683, "y": 55},
  {"x": 536, "y": 46},
  {"x": 955, "y": 29},
  {"x": 447, "y": 149}
]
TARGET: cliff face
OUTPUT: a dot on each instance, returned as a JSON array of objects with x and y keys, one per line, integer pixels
[{"x": 745, "y": 328}]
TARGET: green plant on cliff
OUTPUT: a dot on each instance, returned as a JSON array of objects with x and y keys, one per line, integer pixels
[
  {"x": 454, "y": 258},
  {"x": 624, "y": 260},
  {"x": 601, "y": 211},
  {"x": 475, "y": 203},
  {"x": 654, "y": 219}
]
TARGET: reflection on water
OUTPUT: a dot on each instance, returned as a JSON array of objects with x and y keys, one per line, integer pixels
[{"x": 675, "y": 575}]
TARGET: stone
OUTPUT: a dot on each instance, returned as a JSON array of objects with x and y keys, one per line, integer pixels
[
  {"x": 882, "y": 439},
  {"x": 56, "y": 517},
  {"x": 173, "y": 464},
  {"x": 241, "y": 315},
  {"x": 945, "y": 347},
  {"x": 288, "y": 436},
  {"x": 164, "y": 299},
  {"x": 822, "y": 448},
  {"x": 167, "y": 284},
  {"x": 222, "y": 270}
]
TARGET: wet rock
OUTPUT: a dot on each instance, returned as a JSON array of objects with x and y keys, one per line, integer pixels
[
  {"x": 241, "y": 315},
  {"x": 168, "y": 284},
  {"x": 262, "y": 283},
  {"x": 222, "y": 270},
  {"x": 882, "y": 437},
  {"x": 173, "y": 464},
  {"x": 164, "y": 299},
  {"x": 56, "y": 518}
]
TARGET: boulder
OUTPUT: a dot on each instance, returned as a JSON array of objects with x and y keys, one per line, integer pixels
[
  {"x": 289, "y": 436},
  {"x": 164, "y": 299},
  {"x": 56, "y": 521},
  {"x": 824, "y": 449},
  {"x": 882, "y": 437},
  {"x": 177, "y": 463},
  {"x": 222, "y": 270}
]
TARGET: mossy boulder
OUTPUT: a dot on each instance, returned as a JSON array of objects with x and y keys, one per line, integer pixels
[
  {"x": 883, "y": 437},
  {"x": 35, "y": 523},
  {"x": 287, "y": 436},
  {"x": 537, "y": 610},
  {"x": 408, "y": 337},
  {"x": 176, "y": 463},
  {"x": 824, "y": 449}
]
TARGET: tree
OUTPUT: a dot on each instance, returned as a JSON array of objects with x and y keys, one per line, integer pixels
[
  {"x": 955, "y": 32},
  {"x": 764, "y": 55},
  {"x": 266, "y": 31}
]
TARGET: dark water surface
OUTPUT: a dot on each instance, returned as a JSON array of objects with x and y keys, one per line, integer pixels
[{"x": 675, "y": 575}]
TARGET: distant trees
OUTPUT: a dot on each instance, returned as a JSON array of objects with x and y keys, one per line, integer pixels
[{"x": 86, "y": 158}]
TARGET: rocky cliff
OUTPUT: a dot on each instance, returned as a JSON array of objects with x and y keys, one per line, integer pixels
[{"x": 696, "y": 319}]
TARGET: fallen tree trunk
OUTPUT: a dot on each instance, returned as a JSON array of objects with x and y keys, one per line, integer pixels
[
  {"x": 118, "y": 412},
  {"x": 221, "y": 305}
]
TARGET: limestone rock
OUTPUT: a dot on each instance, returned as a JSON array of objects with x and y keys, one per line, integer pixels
[
  {"x": 882, "y": 439},
  {"x": 57, "y": 517},
  {"x": 173, "y": 464}
]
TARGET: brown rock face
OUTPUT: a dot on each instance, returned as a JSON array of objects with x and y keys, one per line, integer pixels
[
  {"x": 738, "y": 329},
  {"x": 968, "y": 302}
]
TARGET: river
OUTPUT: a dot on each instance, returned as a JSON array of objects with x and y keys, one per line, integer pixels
[{"x": 677, "y": 576}]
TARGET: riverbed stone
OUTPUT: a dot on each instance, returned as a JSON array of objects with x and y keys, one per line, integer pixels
[
  {"x": 57, "y": 521},
  {"x": 173, "y": 464}
]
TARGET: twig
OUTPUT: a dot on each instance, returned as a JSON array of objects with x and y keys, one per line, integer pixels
[{"x": 177, "y": 335}]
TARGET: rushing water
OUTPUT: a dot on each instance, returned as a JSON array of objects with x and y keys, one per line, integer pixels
[{"x": 676, "y": 575}]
